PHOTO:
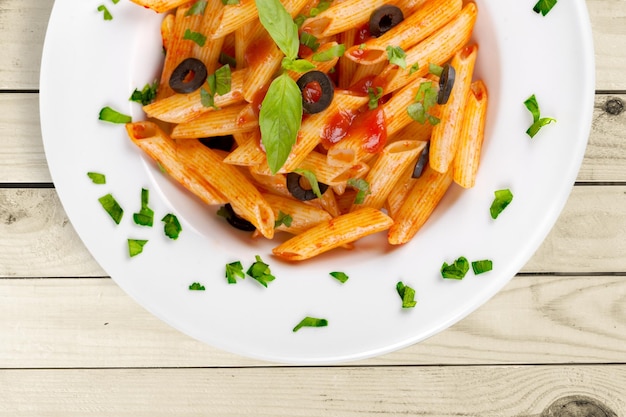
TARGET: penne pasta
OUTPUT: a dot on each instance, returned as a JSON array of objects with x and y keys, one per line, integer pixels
[
  {"x": 333, "y": 233},
  {"x": 215, "y": 123},
  {"x": 302, "y": 216}
]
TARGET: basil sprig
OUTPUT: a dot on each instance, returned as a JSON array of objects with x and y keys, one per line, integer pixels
[{"x": 280, "y": 117}]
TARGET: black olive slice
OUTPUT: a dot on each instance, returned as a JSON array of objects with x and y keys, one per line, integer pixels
[
  {"x": 223, "y": 143},
  {"x": 326, "y": 87},
  {"x": 421, "y": 162},
  {"x": 296, "y": 190},
  {"x": 235, "y": 221},
  {"x": 384, "y": 18},
  {"x": 188, "y": 76},
  {"x": 446, "y": 82}
]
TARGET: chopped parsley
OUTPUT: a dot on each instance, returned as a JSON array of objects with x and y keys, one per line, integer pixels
[
  {"x": 234, "y": 270},
  {"x": 146, "y": 95},
  {"x": 414, "y": 68},
  {"x": 172, "y": 227},
  {"x": 362, "y": 187},
  {"x": 340, "y": 276},
  {"x": 197, "y": 8},
  {"x": 396, "y": 56},
  {"x": 501, "y": 200},
  {"x": 145, "y": 217},
  {"x": 309, "y": 41},
  {"x": 310, "y": 176},
  {"x": 135, "y": 246},
  {"x": 219, "y": 83},
  {"x": 407, "y": 294},
  {"x": 335, "y": 51},
  {"x": 112, "y": 207},
  {"x": 196, "y": 37},
  {"x": 283, "y": 218},
  {"x": 538, "y": 121},
  {"x": 310, "y": 322},
  {"x": 482, "y": 266},
  {"x": 457, "y": 270},
  {"x": 105, "y": 12},
  {"x": 107, "y": 114},
  {"x": 261, "y": 272},
  {"x": 544, "y": 6},
  {"x": 425, "y": 99},
  {"x": 226, "y": 59},
  {"x": 97, "y": 178},
  {"x": 196, "y": 286},
  {"x": 374, "y": 95},
  {"x": 435, "y": 69},
  {"x": 230, "y": 2}
]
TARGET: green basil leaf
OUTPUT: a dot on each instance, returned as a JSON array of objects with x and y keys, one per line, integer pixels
[
  {"x": 310, "y": 322},
  {"x": 544, "y": 6},
  {"x": 97, "y": 178},
  {"x": 223, "y": 79},
  {"x": 340, "y": 276},
  {"x": 312, "y": 178},
  {"x": 280, "y": 119},
  {"x": 502, "y": 199},
  {"x": 407, "y": 294},
  {"x": 135, "y": 246},
  {"x": 298, "y": 65},
  {"x": 457, "y": 270},
  {"x": 280, "y": 26},
  {"x": 172, "y": 227},
  {"x": 112, "y": 207},
  {"x": 233, "y": 271},
  {"x": 396, "y": 56}
]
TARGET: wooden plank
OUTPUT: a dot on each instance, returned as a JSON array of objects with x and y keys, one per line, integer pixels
[
  {"x": 23, "y": 24},
  {"x": 22, "y": 31},
  {"x": 587, "y": 238},
  {"x": 312, "y": 392},
  {"x": 89, "y": 323},
  {"x": 22, "y": 158}
]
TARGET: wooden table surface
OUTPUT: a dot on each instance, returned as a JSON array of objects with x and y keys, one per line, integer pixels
[{"x": 73, "y": 344}]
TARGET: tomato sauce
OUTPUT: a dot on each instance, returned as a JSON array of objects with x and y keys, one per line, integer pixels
[
  {"x": 371, "y": 126},
  {"x": 258, "y": 51},
  {"x": 337, "y": 128}
]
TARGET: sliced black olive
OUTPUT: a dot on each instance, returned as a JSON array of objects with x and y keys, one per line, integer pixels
[
  {"x": 234, "y": 220},
  {"x": 384, "y": 18},
  {"x": 446, "y": 82},
  {"x": 296, "y": 189},
  {"x": 224, "y": 143},
  {"x": 188, "y": 76},
  {"x": 421, "y": 162},
  {"x": 326, "y": 88}
]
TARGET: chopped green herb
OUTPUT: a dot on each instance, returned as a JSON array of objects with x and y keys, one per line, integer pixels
[
  {"x": 335, "y": 51},
  {"x": 309, "y": 40},
  {"x": 146, "y": 95},
  {"x": 502, "y": 199},
  {"x": 135, "y": 246},
  {"x": 362, "y": 187},
  {"x": 435, "y": 69},
  {"x": 538, "y": 121},
  {"x": 112, "y": 207},
  {"x": 414, "y": 68},
  {"x": 197, "y": 8},
  {"x": 299, "y": 20},
  {"x": 260, "y": 271},
  {"x": 196, "y": 37},
  {"x": 312, "y": 178},
  {"x": 321, "y": 6},
  {"x": 297, "y": 65},
  {"x": 544, "y": 6},
  {"x": 107, "y": 114},
  {"x": 207, "y": 99},
  {"x": 196, "y": 286},
  {"x": 339, "y": 276},
  {"x": 407, "y": 294},
  {"x": 172, "y": 227},
  {"x": 425, "y": 99},
  {"x": 226, "y": 59},
  {"x": 97, "y": 178},
  {"x": 230, "y": 2},
  {"x": 482, "y": 266},
  {"x": 115, "y": 1},
  {"x": 106, "y": 14},
  {"x": 374, "y": 96},
  {"x": 310, "y": 322},
  {"x": 145, "y": 217},
  {"x": 220, "y": 81},
  {"x": 457, "y": 270},
  {"x": 283, "y": 218},
  {"x": 396, "y": 56},
  {"x": 234, "y": 270}
]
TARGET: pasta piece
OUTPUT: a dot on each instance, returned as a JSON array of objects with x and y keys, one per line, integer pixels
[
  {"x": 346, "y": 68},
  {"x": 341, "y": 16},
  {"x": 395, "y": 109},
  {"x": 438, "y": 48},
  {"x": 243, "y": 196},
  {"x": 413, "y": 29},
  {"x": 263, "y": 58},
  {"x": 150, "y": 138},
  {"x": 445, "y": 136},
  {"x": 181, "y": 108},
  {"x": 328, "y": 174},
  {"x": 160, "y": 6},
  {"x": 472, "y": 134},
  {"x": 396, "y": 158},
  {"x": 427, "y": 192},
  {"x": 248, "y": 153},
  {"x": 303, "y": 216},
  {"x": 216, "y": 123},
  {"x": 230, "y": 17},
  {"x": 333, "y": 233}
]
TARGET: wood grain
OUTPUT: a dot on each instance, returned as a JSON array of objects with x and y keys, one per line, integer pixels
[
  {"x": 307, "y": 392},
  {"x": 92, "y": 323}
]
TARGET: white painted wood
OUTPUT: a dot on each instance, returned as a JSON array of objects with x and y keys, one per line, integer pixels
[
  {"x": 308, "y": 392},
  {"x": 92, "y": 323}
]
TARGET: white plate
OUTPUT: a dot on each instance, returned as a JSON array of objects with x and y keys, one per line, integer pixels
[{"x": 89, "y": 63}]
